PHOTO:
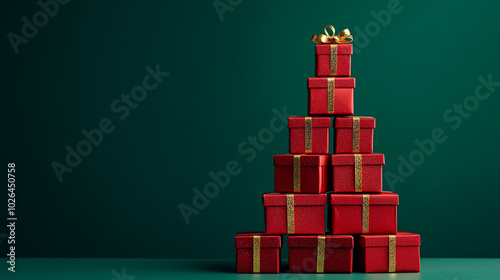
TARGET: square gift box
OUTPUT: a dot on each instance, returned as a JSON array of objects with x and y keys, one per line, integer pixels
[
  {"x": 354, "y": 135},
  {"x": 309, "y": 135},
  {"x": 302, "y": 173},
  {"x": 390, "y": 253},
  {"x": 364, "y": 213},
  {"x": 333, "y": 60},
  {"x": 257, "y": 252},
  {"x": 294, "y": 213},
  {"x": 357, "y": 172},
  {"x": 331, "y": 96},
  {"x": 321, "y": 253}
]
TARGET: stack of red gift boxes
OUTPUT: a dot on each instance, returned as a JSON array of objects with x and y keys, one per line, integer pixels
[{"x": 358, "y": 210}]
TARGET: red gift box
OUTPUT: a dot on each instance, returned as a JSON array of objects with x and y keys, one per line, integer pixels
[
  {"x": 321, "y": 254},
  {"x": 257, "y": 253},
  {"x": 364, "y": 213},
  {"x": 390, "y": 253},
  {"x": 354, "y": 135},
  {"x": 331, "y": 96},
  {"x": 333, "y": 60},
  {"x": 301, "y": 173},
  {"x": 357, "y": 172},
  {"x": 294, "y": 213},
  {"x": 309, "y": 135}
]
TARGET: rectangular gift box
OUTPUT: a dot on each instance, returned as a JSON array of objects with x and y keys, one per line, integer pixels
[
  {"x": 357, "y": 172},
  {"x": 309, "y": 135},
  {"x": 354, "y": 135},
  {"x": 331, "y": 96},
  {"x": 257, "y": 252},
  {"x": 390, "y": 253},
  {"x": 364, "y": 213},
  {"x": 294, "y": 213},
  {"x": 302, "y": 173},
  {"x": 333, "y": 60},
  {"x": 321, "y": 253}
]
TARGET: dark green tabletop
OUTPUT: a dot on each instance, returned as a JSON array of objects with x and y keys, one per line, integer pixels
[{"x": 144, "y": 269}]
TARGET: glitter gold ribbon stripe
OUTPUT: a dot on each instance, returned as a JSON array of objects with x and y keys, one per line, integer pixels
[
  {"x": 290, "y": 215},
  {"x": 296, "y": 173},
  {"x": 365, "y": 219},
  {"x": 308, "y": 134},
  {"x": 355, "y": 134},
  {"x": 331, "y": 96},
  {"x": 392, "y": 253},
  {"x": 333, "y": 59},
  {"x": 320, "y": 255},
  {"x": 256, "y": 254},
  {"x": 358, "y": 172}
]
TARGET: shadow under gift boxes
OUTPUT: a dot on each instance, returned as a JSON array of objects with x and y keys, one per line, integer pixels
[
  {"x": 357, "y": 173},
  {"x": 302, "y": 173},
  {"x": 390, "y": 253},
  {"x": 363, "y": 213},
  {"x": 294, "y": 213},
  {"x": 321, "y": 253},
  {"x": 354, "y": 135},
  {"x": 333, "y": 60},
  {"x": 257, "y": 252},
  {"x": 309, "y": 135},
  {"x": 331, "y": 96}
]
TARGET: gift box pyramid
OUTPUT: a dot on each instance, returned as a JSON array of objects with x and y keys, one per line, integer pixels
[{"x": 362, "y": 219}]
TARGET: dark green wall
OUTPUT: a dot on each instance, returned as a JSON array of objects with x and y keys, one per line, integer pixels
[{"x": 226, "y": 78}]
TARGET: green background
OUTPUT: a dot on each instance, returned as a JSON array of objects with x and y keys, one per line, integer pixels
[{"x": 226, "y": 77}]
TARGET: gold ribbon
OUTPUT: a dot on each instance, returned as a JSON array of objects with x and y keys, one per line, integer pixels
[
  {"x": 320, "y": 255},
  {"x": 358, "y": 172},
  {"x": 365, "y": 220},
  {"x": 355, "y": 134},
  {"x": 290, "y": 215},
  {"x": 333, "y": 60},
  {"x": 308, "y": 134},
  {"x": 256, "y": 254},
  {"x": 296, "y": 173},
  {"x": 343, "y": 37},
  {"x": 331, "y": 96},
  {"x": 392, "y": 253}
]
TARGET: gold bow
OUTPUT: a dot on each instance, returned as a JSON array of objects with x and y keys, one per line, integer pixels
[{"x": 342, "y": 38}]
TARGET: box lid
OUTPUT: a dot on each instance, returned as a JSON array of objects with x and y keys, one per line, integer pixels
[
  {"x": 315, "y": 122},
  {"x": 299, "y": 199},
  {"x": 305, "y": 160},
  {"x": 340, "y": 82},
  {"x": 245, "y": 240},
  {"x": 383, "y": 198},
  {"x": 311, "y": 241},
  {"x": 366, "y": 159},
  {"x": 346, "y": 122},
  {"x": 341, "y": 49},
  {"x": 402, "y": 239}
]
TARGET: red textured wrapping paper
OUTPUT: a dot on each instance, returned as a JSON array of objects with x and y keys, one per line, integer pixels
[
  {"x": 294, "y": 213},
  {"x": 361, "y": 175},
  {"x": 268, "y": 258},
  {"x": 343, "y": 60},
  {"x": 376, "y": 256},
  {"x": 302, "y": 173},
  {"x": 309, "y": 135},
  {"x": 324, "y": 99},
  {"x": 351, "y": 138},
  {"x": 332, "y": 255},
  {"x": 364, "y": 213}
]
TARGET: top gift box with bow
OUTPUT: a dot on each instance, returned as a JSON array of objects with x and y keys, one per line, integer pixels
[{"x": 333, "y": 53}]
